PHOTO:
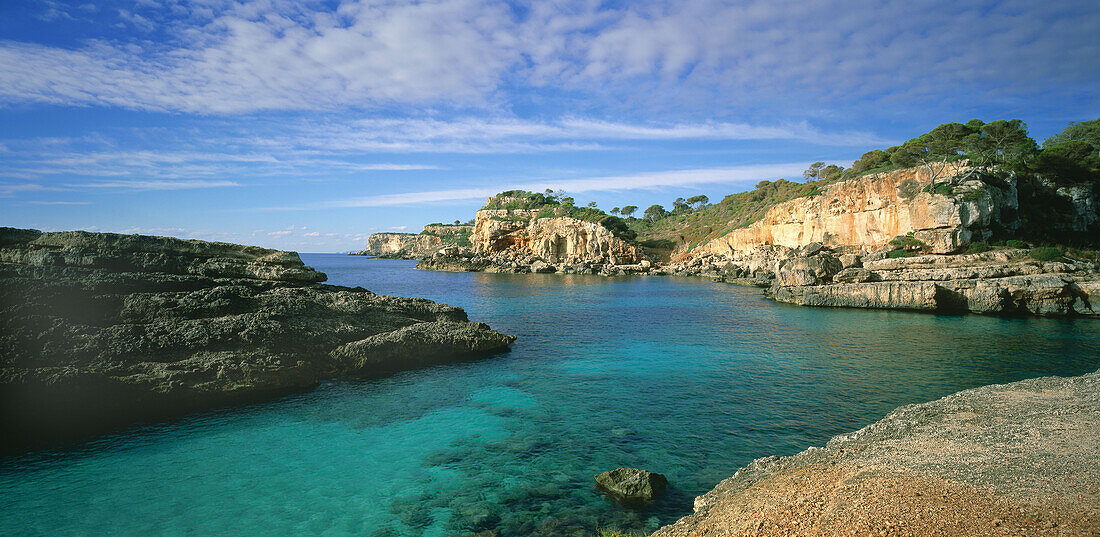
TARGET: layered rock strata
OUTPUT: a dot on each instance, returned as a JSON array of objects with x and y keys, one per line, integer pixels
[
  {"x": 99, "y": 330},
  {"x": 427, "y": 243},
  {"x": 1011, "y": 459},
  {"x": 401, "y": 245},
  {"x": 869, "y": 211},
  {"x": 1004, "y": 282}
]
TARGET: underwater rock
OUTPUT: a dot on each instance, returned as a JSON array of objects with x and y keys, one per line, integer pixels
[{"x": 632, "y": 484}]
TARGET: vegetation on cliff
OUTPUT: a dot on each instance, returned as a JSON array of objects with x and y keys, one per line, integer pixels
[
  {"x": 994, "y": 150},
  {"x": 551, "y": 204}
]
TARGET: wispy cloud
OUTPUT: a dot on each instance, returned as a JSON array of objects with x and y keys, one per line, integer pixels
[
  {"x": 39, "y": 202},
  {"x": 155, "y": 185},
  {"x": 642, "y": 181},
  {"x": 232, "y": 57}
]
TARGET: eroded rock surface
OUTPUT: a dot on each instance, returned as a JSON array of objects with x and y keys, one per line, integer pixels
[
  {"x": 632, "y": 485},
  {"x": 99, "y": 330},
  {"x": 1004, "y": 282},
  {"x": 1011, "y": 459}
]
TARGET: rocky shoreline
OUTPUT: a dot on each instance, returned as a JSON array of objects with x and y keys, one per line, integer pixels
[
  {"x": 1009, "y": 459},
  {"x": 1005, "y": 282},
  {"x": 101, "y": 330}
]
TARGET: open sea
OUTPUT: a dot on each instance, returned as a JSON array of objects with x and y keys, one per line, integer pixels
[{"x": 684, "y": 377}]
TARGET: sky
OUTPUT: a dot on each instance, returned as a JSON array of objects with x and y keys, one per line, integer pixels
[{"x": 308, "y": 125}]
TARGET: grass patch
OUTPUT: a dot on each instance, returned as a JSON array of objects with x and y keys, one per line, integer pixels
[
  {"x": 978, "y": 247},
  {"x": 1045, "y": 253}
]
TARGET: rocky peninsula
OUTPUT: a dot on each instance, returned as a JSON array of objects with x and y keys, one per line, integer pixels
[
  {"x": 889, "y": 240},
  {"x": 1010, "y": 459},
  {"x": 100, "y": 330}
]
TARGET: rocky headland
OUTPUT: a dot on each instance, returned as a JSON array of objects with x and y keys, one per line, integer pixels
[
  {"x": 99, "y": 330},
  {"x": 430, "y": 241},
  {"x": 902, "y": 239},
  {"x": 1010, "y": 459}
]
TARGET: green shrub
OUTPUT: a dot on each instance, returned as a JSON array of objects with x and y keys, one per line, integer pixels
[
  {"x": 1015, "y": 244},
  {"x": 942, "y": 189},
  {"x": 1045, "y": 253},
  {"x": 907, "y": 242},
  {"x": 977, "y": 247},
  {"x": 899, "y": 253}
]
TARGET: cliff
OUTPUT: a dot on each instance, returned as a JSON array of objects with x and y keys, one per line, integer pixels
[
  {"x": 555, "y": 239},
  {"x": 428, "y": 242},
  {"x": 523, "y": 232},
  {"x": 99, "y": 330},
  {"x": 1011, "y": 459},
  {"x": 869, "y": 211}
]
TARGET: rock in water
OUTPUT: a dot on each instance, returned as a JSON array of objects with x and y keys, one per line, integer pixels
[
  {"x": 98, "y": 330},
  {"x": 631, "y": 484}
]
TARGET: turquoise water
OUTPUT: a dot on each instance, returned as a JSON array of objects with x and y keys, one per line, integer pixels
[{"x": 680, "y": 376}]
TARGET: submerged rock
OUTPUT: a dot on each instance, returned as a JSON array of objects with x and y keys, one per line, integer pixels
[
  {"x": 98, "y": 330},
  {"x": 632, "y": 484}
]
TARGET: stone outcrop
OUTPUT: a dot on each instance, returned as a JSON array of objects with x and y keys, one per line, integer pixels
[
  {"x": 416, "y": 246},
  {"x": 631, "y": 485},
  {"x": 555, "y": 239},
  {"x": 869, "y": 211},
  {"x": 1011, "y": 459},
  {"x": 401, "y": 245},
  {"x": 1002, "y": 282},
  {"x": 98, "y": 330},
  {"x": 538, "y": 239}
]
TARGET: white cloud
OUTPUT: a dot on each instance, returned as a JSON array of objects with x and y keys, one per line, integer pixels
[
  {"x": 261, "y": 55},
  {"x": 155, "y": 185},
  {"x": 650, "y": 180}
]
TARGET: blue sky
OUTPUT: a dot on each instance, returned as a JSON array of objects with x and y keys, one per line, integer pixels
[{"x": 309, "y": 125}]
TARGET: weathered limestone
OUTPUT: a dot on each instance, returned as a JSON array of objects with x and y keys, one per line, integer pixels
[
  {"x": 870, "y": 211},
  {"x": 1004, "y": 282},
  {"x": 427, "y": 243},
  {"x": 98, "y": 330},
  {"x": 1010, "y": 459}
]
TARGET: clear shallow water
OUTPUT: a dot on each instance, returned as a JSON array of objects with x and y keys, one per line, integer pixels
[{"x": 685, "y": 377}]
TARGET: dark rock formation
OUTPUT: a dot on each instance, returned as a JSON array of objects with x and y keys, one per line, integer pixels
[
  {"x": 99, "y": 330},
  {"x": 631, "y": 485}
]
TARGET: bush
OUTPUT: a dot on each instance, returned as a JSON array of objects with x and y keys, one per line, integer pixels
[
  {"x": 977, "y": 247},
  {"x": 1015, "y": 244},
  {"x": 899, "y": 253},
  {"x": 1045, "y": 253},
  {"x": 907, "y": 242}
]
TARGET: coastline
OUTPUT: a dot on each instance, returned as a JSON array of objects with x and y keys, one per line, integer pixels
[
  {"x": 103, "y": 330},
  {"x": 1003, "y": 459}
]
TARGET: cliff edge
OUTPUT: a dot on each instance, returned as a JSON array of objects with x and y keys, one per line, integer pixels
[
  {"x": 98, "y": 330},
  {"x": 1010, "y": 459}
]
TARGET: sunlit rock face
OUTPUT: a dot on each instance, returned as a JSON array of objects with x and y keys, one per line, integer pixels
[
  {"x": 872, "y": 210},
  {"x": 558, "y": 239},
  {"x": 402, "y": 245}
]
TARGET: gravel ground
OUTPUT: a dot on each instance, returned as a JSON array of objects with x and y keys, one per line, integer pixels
[{"x": 1011, "y": 459}]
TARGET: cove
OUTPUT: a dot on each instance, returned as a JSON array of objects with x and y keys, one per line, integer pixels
[{"x": 680, "y": 376}]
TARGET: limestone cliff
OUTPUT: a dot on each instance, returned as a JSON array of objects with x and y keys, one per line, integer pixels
[
  {"x": 99, "y": 330},
  {"x": 428, "y": 242},
  {"x": 556, "y": 239},
  {"x": 870, "y": 211}
]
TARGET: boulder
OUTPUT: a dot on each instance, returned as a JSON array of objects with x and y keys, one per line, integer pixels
[
  {"x": 851, "y": 260},
  {"x": 801, "y": 271},
  {"x": 632, "y": 484}
]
